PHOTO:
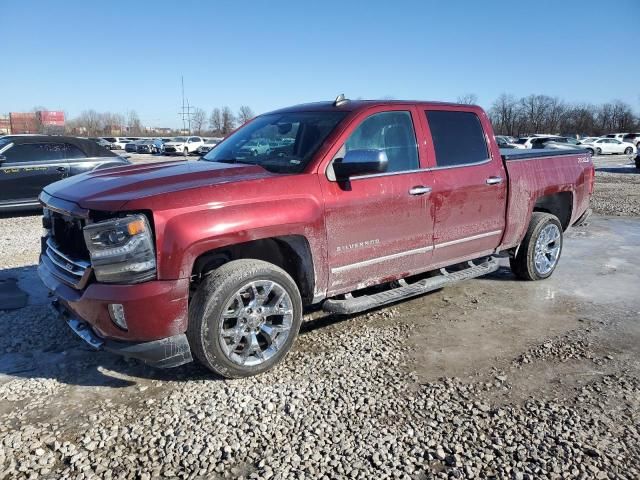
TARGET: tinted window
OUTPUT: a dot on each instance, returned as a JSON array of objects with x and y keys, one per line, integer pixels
[
  {"x": 74, "y": 152},
  {"x": 458, "y": 138},
  {"x": 389, "y": 131},
  {"x": 35, "y": 152}
]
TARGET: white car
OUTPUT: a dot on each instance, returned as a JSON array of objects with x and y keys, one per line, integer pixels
[
  {"x": 535, "y": 141},
  {"x": 632, "y": 138},
  {"x": 118, "y": 142},
  {"x": 208, "y": 145},
  {"x": 183, "y": 145},
  {"x": 609, "y": 146}
]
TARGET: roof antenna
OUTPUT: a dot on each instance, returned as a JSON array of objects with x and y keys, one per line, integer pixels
[{"x": 340, "y": 100}]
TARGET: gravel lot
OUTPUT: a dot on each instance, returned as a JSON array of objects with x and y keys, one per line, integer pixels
[{"x": 490, "y": 378}]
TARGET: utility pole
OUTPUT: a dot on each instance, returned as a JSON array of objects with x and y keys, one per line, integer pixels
[{"x": 186, "y": 111}]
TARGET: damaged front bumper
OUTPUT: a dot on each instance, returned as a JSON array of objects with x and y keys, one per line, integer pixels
[{"x": 164, "y": 353}]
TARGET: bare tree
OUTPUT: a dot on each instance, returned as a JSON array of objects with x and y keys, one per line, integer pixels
[
  {"x": 198, "y": 120},
  {"x": 228, "y": 121},
  {"x": 133, "y": 123},
  {"x": 468, "y": 99},
  {"x": 245, "y": 114},
  {"x": 215, "y": 121}
]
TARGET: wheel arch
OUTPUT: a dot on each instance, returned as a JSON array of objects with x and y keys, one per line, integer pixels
[
  {"x": 292, "y": 253},
  {"x": 559, "y": 204}
]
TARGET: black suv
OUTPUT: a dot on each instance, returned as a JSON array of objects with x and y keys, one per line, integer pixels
[{"x": 30, "y": 162}]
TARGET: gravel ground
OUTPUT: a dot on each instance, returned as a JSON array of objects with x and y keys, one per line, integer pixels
[
  {"x": 617, "y": 193},
  {"x": 492, "y": 378}
]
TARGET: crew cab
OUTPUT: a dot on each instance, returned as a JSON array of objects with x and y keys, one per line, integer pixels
[{"x": 359, "y": 203}]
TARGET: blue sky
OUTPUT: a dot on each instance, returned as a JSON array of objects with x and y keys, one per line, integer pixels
[{"x": 116, "y": 56}]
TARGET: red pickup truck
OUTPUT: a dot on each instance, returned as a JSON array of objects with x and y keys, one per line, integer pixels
[{"x": 350, "y": 205}]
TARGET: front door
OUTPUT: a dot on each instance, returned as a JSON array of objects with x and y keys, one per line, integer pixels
[
  {"x": 28, "y": 168},
  {"x": 469, "y": 188},
  {"x": 378, "y": 226}
]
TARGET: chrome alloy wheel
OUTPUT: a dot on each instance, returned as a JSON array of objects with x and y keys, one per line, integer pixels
[
  {"x": 547, "y": 249},
  {"x": 256, "y": 322}
]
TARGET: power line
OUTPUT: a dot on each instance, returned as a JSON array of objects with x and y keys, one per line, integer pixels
[{"x": 186, "y": 112}]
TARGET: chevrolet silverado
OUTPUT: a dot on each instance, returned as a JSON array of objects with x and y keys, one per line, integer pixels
[{"x": 358, "y": 204}]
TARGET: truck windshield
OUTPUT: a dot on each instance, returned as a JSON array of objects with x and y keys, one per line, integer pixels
[{"x": 278, "y": 142}]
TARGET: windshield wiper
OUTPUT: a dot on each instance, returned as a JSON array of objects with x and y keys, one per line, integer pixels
[{"x": 236, "y": 160}]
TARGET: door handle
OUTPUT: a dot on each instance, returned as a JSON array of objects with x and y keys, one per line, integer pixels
[
  {"x": 494, "y": 180},
  {"x": 419, "y": 190},
  {"x": 61, "y": 169}
]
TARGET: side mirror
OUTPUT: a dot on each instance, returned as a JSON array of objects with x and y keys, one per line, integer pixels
[{"x": 360, "y": 162}]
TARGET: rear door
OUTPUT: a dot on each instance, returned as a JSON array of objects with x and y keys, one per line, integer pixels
[
  {"x": 28, "y": 168},
  {"x": 378, "y": 226},
  {"x": 469, "y": 186}
]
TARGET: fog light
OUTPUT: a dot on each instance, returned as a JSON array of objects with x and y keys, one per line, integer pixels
[{"x": 116, "y": 311}]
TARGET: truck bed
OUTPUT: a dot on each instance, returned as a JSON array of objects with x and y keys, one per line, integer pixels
[{"x": 533, "y": 174}]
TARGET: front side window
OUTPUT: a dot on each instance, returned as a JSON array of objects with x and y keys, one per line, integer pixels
[
  {"x": 35, "y": 152},
  {"x": 389, "y": 131},
  {"x": 278, "y": 142},
  {"x": 458, "y": 138}
]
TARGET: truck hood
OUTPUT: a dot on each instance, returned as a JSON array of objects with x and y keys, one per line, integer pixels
[{"x": 112, "y": 188}]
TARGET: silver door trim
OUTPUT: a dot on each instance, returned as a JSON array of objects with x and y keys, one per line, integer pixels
[
  {"x": 373, "y": 261},
  {"x": 467, "y": 239}
]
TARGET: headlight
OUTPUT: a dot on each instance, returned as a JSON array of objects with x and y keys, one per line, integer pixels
[{"x": 121, "y": 249}]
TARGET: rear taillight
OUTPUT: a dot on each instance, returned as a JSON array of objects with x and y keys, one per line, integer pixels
[{"x": 592, "y": 180}]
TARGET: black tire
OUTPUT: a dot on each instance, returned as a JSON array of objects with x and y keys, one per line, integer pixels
[
  {"x": 206, "y": 308},
  {"x": 598, "y": 151},
  {"x": 523, "y": 264},
  {"x": 628, "y": 151},
  {"x": 590, "y": 150}
]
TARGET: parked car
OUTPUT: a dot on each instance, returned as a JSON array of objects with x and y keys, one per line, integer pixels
[
  {"x": 103, "y": 143},
  {"x": 132, "y": 146},
  {"x": 28, "y": 163},
  {"x": 183, "y": 145},
  {"x": 118, "y": 143},
  {"x": 207, "y": 146},
  {"x": 559, "y": 143},
  {"x": 505, "y": 142},
  {"x": 223, "y": 254},
  {"x": 609, "y": 146},
  {"x": 255, "y": 147},
  {"x": 632, "y": 138},
  {"x": 535, "y": 141},
  {"x": 617, "y": 136},
  {"x": 150, "y": 146}
]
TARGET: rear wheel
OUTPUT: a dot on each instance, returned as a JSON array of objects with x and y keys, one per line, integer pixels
[
  {"x": 590, "y": 150},
  {"x": 628, "y": 150},
  {"x": 244, "y": 318},
  {"x": 540, "y": 249},
  {"x": 598, "y": 151}
]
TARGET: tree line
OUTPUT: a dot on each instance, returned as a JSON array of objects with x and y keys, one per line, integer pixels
[
  {"x": 220, "y": 122},
  {"x": 544, "y": 114}
]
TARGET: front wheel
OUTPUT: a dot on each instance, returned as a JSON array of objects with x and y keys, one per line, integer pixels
[
  {"x": 244, "y": 318},
  {"x": 539, "y": 252},
  {"x": 598, "y": 151},
  {"x": 628, "y": 150}
]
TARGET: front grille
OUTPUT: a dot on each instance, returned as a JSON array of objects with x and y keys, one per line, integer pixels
[
  {"x": 169, "y": 149},
  {"x": 65, "y": 251},
  {"x": 67, "y": 233}
]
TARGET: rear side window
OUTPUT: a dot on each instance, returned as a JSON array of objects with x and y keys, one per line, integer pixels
[
  {"x": 35, "y": 152},
  {"x": 74, "y": 152},
  {"x": 389, "y": 131},
  {"x": 458, "y": 138}
]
